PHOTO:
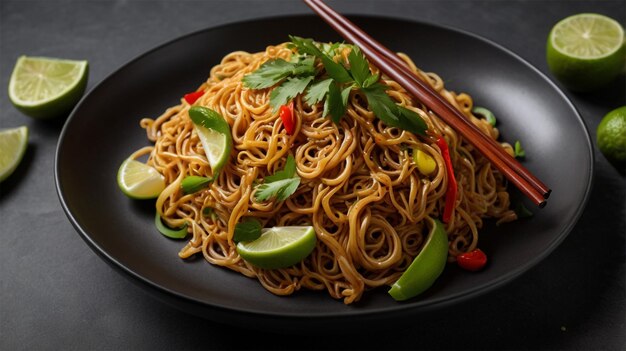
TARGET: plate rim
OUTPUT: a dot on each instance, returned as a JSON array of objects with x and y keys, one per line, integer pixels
[{"x": 400, "y": 308}]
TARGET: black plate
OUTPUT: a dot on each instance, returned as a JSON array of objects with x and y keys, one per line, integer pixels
[{"x": 104, "y": 129}]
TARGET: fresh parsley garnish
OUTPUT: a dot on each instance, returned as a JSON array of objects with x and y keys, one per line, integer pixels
[
  {"x": 332, "y": 86},
  {"x": 273, "y": 71},
  {"x": 281, "y": 184},
  {"x": 291, "y": 88},
  {"x": 518, "y": 150},
  {"x": 247, "y": 230},
  {"x": 521, "y": 211},
  {"x": 209, "y": 212}
]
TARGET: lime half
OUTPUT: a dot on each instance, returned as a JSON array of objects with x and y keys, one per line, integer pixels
[
  {"x": 279, "y": 247},
  {"x": 586, "y": 51},
  {"x": 214, "y": 133},
  {"x": 44, "y": 87},
  {"x": 139, "y": 181},
  {"x": 13, "y": 144}
]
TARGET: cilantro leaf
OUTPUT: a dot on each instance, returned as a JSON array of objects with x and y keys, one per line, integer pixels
[
  {"x": 335, "y": 70},
  {"x": 371, "y": 80},
  {"x": 359, "y": 68},
  {"x": 317, "y": 91},
  {"x": 521, "y": 211},
  {"x": 334, "y": 105},
  {"x": 288, "y": 90},
  {"x": 381, "y": 104},
  {"x": 411, "y": 121},
  {"x": 273, "y": 71},
  {"x": 247, "y": 230},
  {"x": 268, "y": 74},
  {"x": 288, "y": 172},
  {"x": 391, "y": 113},
  {"x": 345, "y": 94},
  {"x": 281, "y": 184},
  {"x": 280, "y": 189},
  {"x": 519, "y": 151},
  {"x": 208, "y": 211}
]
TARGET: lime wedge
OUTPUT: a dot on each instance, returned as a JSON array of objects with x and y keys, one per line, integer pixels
[
  {"x": 13, "y": 144},
  {"x": 139, "y": 181},
  {"x": 279, "y": 247},
  {"x": 586, "y": 51},
  {"x": 44, "y": 87},
  {"x": 426, "y": 267},
  {"x": 214, "y": 133}
]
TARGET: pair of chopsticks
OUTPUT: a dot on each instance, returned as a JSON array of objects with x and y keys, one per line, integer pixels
[{"x": 393, "y": 66}]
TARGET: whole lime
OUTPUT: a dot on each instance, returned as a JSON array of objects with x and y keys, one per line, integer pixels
[
  {"x": 611, "y": 135},
  {"x": 586, "y": 51}
]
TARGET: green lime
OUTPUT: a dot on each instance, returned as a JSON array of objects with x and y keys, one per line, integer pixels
[
  {"x": 279, "y": 247},
  {"x": 13, "y": 144},
  {"x": 214, "y": 133},
  {"x": 44, "y": 87},
  {"x": 611, "y": 134},
  {"x": 586, "y": 51},
  {"x": 139, "y": 181},
  {"x": 426, "y": 267}
]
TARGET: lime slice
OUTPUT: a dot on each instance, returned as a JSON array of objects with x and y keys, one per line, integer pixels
[
  {"x": 139, "y": 181},
  {"x": 214, "y": 133},
  {"x": 13, "y": 144},
  {"x": 586, "y": 51},
  {"x": 426, "y": 266},
  {"x": 279, "y": 247},
  {"x": 44, "y": 87}
]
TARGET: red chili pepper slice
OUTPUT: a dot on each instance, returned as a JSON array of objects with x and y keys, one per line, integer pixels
[
  {"x": 286, "y": 114},
  {"x": 452, "y": 185},
  {"x": 472, "y": 261},
  {"x": 193, "y": 97}
]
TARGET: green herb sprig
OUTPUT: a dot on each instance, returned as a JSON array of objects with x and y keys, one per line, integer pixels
[
  {"x": 293, "y": 78},
  {"x": 247, "y": 230},
  {"x": 281, "y": 184}
]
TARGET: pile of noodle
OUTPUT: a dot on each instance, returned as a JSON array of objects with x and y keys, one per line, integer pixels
[{"x": 360, "y": 189}]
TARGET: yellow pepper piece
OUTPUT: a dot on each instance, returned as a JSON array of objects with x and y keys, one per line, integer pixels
[{"x": 425, "y": 163}]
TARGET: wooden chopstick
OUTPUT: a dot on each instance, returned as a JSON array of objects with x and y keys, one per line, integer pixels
[{"x": 395, "y": 68}]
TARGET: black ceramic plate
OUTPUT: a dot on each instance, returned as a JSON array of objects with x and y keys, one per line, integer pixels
[{"x": 104, "y": 129}]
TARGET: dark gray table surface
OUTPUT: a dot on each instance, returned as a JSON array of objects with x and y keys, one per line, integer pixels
[{"x": 56, "y": 293}]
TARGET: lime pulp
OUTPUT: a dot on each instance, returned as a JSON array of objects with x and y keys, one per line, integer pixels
[
  {"x": 214, "y": 133},
  {"x": 586, "y": 51},
  {"x": 43, "y": 87},
  {"x": 139, "y": 181},
  {"x": 279, "y": 247},
  {"x": 13, "y": 143}
]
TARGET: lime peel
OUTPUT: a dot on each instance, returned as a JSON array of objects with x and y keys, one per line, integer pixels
[
  {"x": 586, "y": 51},
  {"x": 279, "y": 247},
  {"x": 215, "y": 136},
  {"x": 43, "y": 87},
  {"x": 426, "y": 267},
  {"x": 139, "y": 181}
]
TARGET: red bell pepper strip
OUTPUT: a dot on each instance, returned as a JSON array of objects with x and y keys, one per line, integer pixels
[
  {"x": 472, "y": 261},
  {"x": 452, "y": 185},
  {"x": 286, "y": 114},
  {"x": 193, "y": 97}
]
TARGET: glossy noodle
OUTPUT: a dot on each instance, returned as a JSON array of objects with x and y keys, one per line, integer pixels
[{"x": 360, "y": 188}]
